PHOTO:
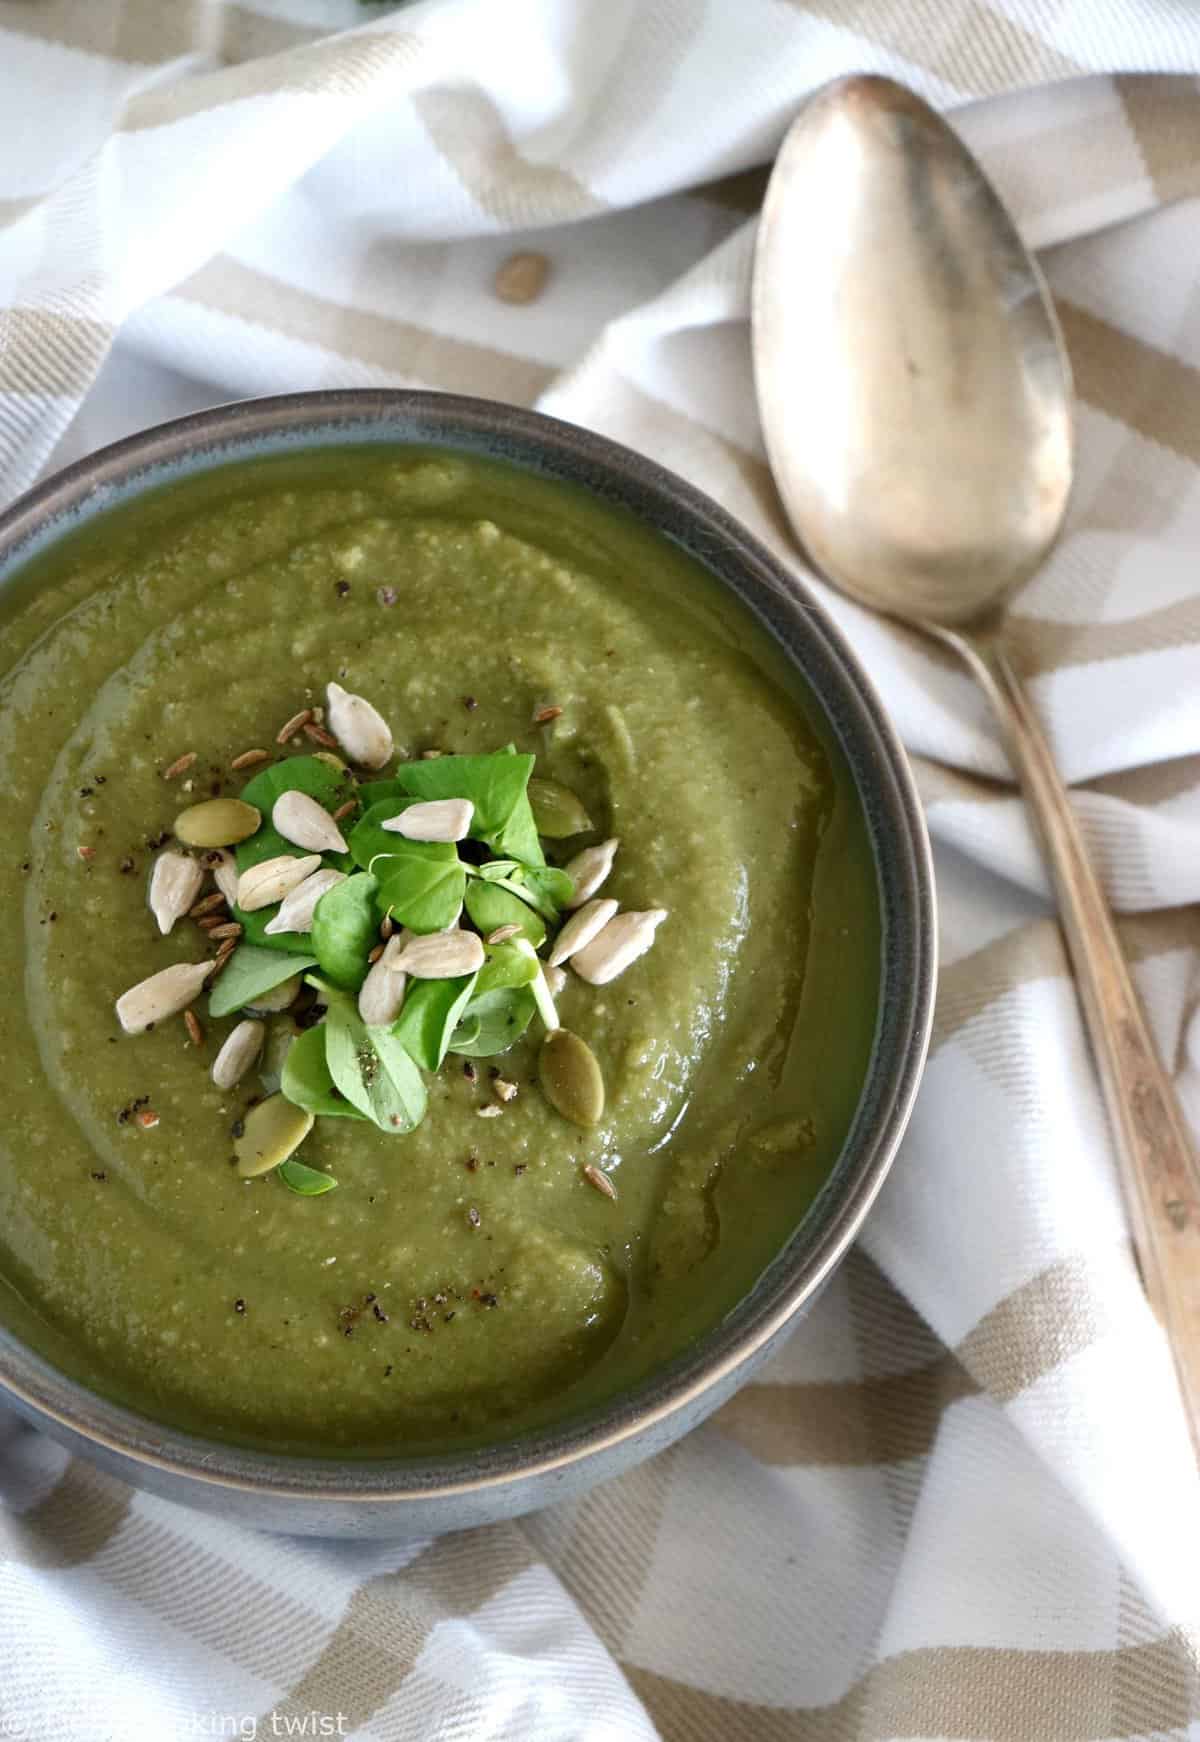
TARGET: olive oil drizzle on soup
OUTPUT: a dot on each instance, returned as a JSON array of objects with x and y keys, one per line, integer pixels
[{"x": 468, "y": 1279}]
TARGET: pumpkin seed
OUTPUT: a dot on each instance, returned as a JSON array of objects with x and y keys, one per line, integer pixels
[
  {"x": 570, "y": 1077},
  {"x": 360, "y": 729},
  {"x": 296, "y": 911},
  {"x": 271, "y": 1132},
  {"x": 273, "y": 879},
  {"x": 218, "y": 822},
  {"x": 241, "y": 1047},
  {"x": 442, "y": 955},
  {"x": 619, "y": 944},
  {"x": 588, "y": 870},
  {"x": 581, "y": 928},
  {"x": 174, "y": 885},
  {"x": 301, "y": 820},
  {"x": 164, "y": 994},
  {"x": 557, "y": 811},
  {"x": 435, "y": 819}
]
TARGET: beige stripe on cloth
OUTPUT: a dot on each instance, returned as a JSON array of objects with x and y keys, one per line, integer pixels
[
  {"x": 69, "y": 1525},
  {"x": 375, "y": 1646},
  {"x": 469, "y": 131},
  {"x": 973, "y": 47},
  {"x": 1163, "y": 111},
  {"x": 407, "y": 351},
  {"x": 966, "y": 1692},
  {"x": 144, "y": 32}
]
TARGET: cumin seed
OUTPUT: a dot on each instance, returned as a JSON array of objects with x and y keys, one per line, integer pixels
[
  {"x": 543, "y": 716},
  {"x": 344, "y": 810},
  {"x": 146, "y": 1117},
  {"x": 374, "y": 955},
  {"x": 319, "y": 735},
  {"x": 227, "y": 929},
  {"x": 195, "y": 1032},
  {"x": 206, "y": 905},
  {"x": 293, "y": 725},
  {"x": 249, "y": 758},
  {"x": 180, "y": 765},
  {"x": 596, "y": 1176}
]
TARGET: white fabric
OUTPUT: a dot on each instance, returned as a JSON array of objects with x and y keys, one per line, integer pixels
[{"x": 962, "y": 1501}]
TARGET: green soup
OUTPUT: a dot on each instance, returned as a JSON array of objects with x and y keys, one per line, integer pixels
[{"x": 467, "y": 1279}]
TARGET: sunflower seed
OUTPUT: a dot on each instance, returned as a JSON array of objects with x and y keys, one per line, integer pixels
[
  {"x": 588, "y": 870},
  {"x": 503, "y": 1089},
  {"x": 436, "y": 819},
  {"x": 441, "y": 956},
  {"x": 581, "y": 928},
  {"x": 296, "y": 910},
  {"x": 619, "y": 944},
  {"x": 174, "y": 885},
  {"x": 241, "y": 1047},
  {"x": 556, "y": 978},
  {"x": 218, "y": 822},
  {"x": 163, "y": 995},
  {"x": 301, "y": 820},
  {"x": 273, "y": 879},
  {"x": 271, "y": 1131},
  {"x": 274, "y": 1000},
  {"x": 277, "y": 999},
  {"x": 382, "y": 991},
  {"x": 360, "y": 729},
  {"x": 223, "y": 866}
]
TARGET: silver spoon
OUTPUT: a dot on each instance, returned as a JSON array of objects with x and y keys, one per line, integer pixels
[{"x": 917, "y": 406}]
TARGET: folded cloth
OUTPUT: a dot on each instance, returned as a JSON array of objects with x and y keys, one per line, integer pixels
[{"x": 961, "y": 1503}]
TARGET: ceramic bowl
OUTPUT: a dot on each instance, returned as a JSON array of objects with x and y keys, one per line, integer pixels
[{"x": 417, "y": 1497}]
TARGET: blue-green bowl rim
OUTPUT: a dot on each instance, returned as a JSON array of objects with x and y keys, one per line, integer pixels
[{"x": 551, "y": 448}]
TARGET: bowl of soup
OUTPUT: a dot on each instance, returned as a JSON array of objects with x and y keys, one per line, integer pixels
[{"x": 472, "y": 940}]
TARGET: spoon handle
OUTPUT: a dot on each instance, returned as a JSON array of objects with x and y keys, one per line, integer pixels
[{"x": 1157, "y": 1162}]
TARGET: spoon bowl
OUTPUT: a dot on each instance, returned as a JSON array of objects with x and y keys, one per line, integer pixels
[{"x": 918, "y": 416}]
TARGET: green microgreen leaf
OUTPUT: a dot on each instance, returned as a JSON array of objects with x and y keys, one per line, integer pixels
[
  {"x": 373, "y": 1070},
  {"x": 493, "y": 1021},
  {"x": 491, "y": 905},
  {"x": 505, "y": 966},
  {"x": 249, "y": 973},
  {"x": 345, "y": 928},
  {"x": 306, "y": 1081},
  {"x": 496, "y": 786},
  {"x": 421, "y": 883},
  {"x": 429, "y": 1016},
  {"x": 368, "y": 838},
  {"x": 306, "y": 1182}
]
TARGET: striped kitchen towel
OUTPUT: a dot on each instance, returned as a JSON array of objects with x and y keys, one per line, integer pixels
[{"x": 961, "y": 1503}]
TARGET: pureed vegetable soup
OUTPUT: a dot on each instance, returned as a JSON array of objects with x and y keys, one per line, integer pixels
[{"x": 402, "y": 1216}]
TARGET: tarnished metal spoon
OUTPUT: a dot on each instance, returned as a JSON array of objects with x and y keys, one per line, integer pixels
[{"x": 917, "y": 405}]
